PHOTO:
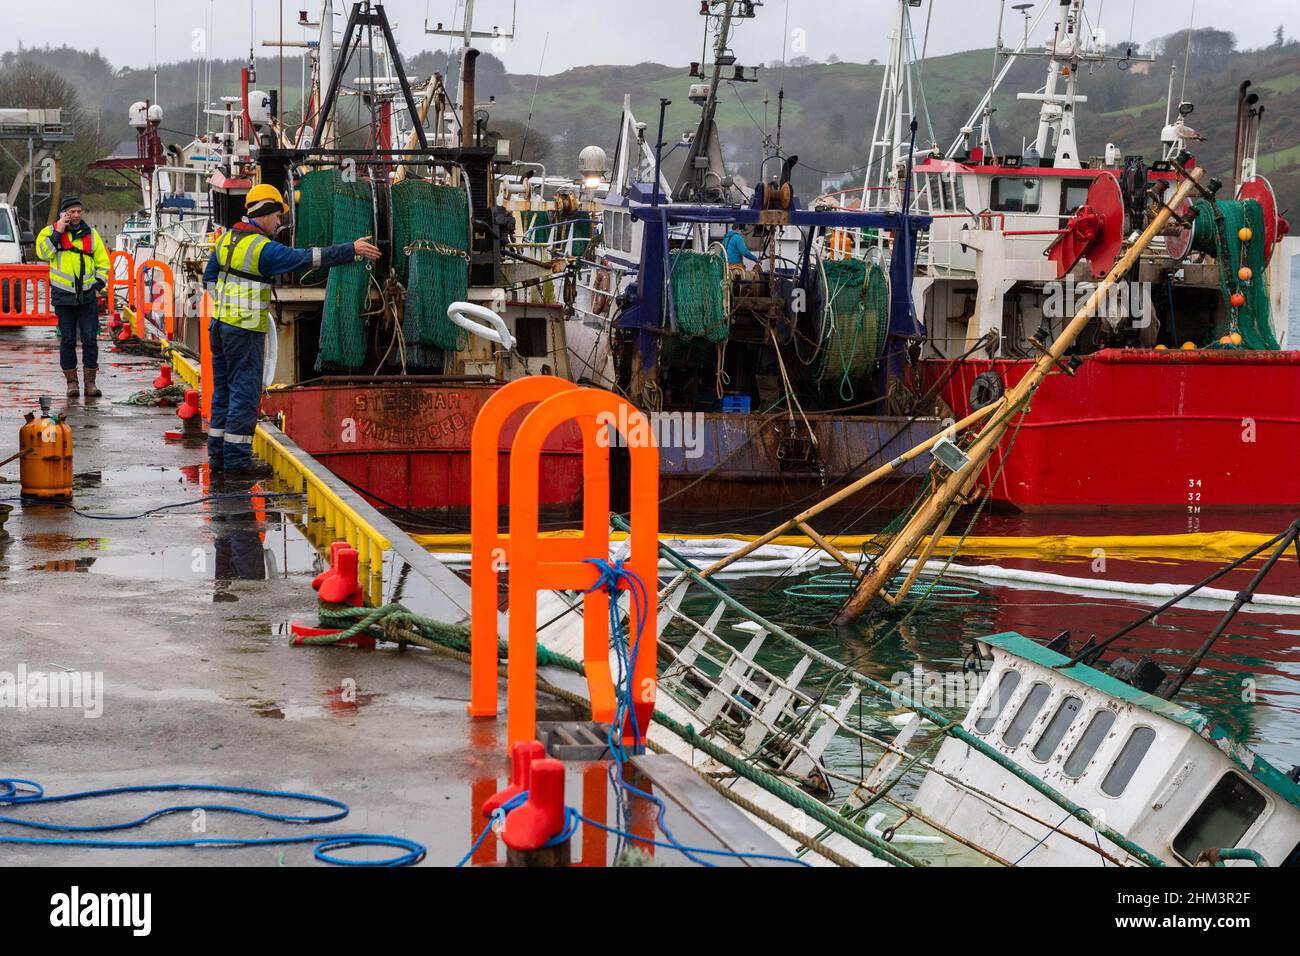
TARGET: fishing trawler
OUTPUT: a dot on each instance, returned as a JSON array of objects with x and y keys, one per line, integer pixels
[
  {"x": 790, "y": 366},
  {"x": 775, "y": 385},
  {"x": 1179, "y": 395}
]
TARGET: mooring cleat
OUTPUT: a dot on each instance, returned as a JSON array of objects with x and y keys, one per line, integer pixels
[
  {"x": 541, "y": 818},
  {"x": 302, "y": 631},
  {"x": 522, "y": 756}
]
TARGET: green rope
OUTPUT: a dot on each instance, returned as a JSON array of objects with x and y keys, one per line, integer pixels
[
  {"x": 839, "y": 585},
  {"x": 431, "y": 255},
  {"x": 381, "y": 622},
  {"x": 343, "y": 338},
  {"x": 856, "y": 322},
  {"x": 699, "y": 295},
  {"x": 313, "y": 217},
  {"x": 1230, "y": 254}
]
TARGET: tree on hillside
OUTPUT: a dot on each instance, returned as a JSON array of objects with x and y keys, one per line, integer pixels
[
  {"x": 1279, "y": 38},
  {"x": 26, "y": 85},
  {"x": 1210, "y": 47}
]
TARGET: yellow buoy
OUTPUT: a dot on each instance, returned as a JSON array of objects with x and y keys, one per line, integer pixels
[
  {"x": 1161, "y": 348},
  {"x": 1189, "y": 345},
  {"x": 1244, "y": 234},
  {"x": 1236, "y": 338},
  {"x": 1224, "y": 340}
]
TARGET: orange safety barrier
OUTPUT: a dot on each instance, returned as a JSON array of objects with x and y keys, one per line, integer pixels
[
  {"x": 538, "y": 564},
  {"x": 489, "y": 550},
  {"x": 25, "y": 296},
  {"x": 205, "y": 356},
  {"x": 168, "y": 298},
  {"x": 114, "y": 281}
]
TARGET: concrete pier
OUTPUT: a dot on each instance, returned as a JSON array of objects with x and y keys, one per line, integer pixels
[{"x": 179, "y": 623}]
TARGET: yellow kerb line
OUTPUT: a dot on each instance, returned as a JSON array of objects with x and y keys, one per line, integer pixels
[
  {"x": 186, "y": 370},
  {"x": 339, "y": 519}
]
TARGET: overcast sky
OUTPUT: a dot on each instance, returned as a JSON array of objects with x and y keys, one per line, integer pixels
[{"x": 579, "y": 32}]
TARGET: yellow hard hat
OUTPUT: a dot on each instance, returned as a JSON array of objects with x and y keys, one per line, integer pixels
[{"x": 262, "y": 193}]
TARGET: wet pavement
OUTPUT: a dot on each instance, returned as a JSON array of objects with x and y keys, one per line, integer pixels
[{"x": 184, "y": 617}]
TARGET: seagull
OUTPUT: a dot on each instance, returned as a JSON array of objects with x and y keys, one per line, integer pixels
[{"x": 1185, "y": 132}]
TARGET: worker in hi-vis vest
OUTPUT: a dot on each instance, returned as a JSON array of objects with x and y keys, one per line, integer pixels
[
  {"x": 78, "y": 270},
  {"x": 238, "y": 275}
]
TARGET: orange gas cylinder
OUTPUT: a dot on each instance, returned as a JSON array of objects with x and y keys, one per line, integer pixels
[{"x": 46, "y": 444}]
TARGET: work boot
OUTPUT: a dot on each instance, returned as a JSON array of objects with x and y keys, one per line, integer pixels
[
  {"x": 74, "y": 390},
  {"x": 92, "y": 390},
  {"x": 253, "y": 471}
]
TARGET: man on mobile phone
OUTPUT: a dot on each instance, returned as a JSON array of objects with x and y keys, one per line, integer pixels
[{"x": 78, "y": 270}]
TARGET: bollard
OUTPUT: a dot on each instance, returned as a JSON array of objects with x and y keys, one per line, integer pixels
[
  {"x": 344, "y": 585},
  {"x": 191, "y": 423},
  {"x": 522, "y": 756},
  {"x": 335, "y": 548},
  {"x": 542, "y": 818},
  {"x": 164, "y": 379}
]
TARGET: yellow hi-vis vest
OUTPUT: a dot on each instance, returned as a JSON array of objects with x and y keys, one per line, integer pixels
[
  {"x": 73, "y": 270},
  {"x": 243, "y": 293}
]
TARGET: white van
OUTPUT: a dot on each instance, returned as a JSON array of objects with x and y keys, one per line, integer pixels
[{"x": 11, "y": 250}]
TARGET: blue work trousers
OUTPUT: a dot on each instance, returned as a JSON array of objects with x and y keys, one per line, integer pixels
[
  {"x": 78, "y": 322},
  {"x": 237, "y": 359}
]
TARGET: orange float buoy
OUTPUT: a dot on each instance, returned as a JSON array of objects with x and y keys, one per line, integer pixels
[
  {"x": 1161, "y": 348},
  {"x": 1189, "y": 346},
  {"x": 46, "y": 447},
  {"x": 1244, "y": 234},
  {"x": 1235, "y": 337},
  {"x": 1224, "y": 340},
  {"x": 1237, "y": 299},
  {"x": 1244, "y": 273}
]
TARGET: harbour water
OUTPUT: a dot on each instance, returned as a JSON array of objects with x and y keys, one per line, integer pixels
[{"x": 1249, "y": 683}]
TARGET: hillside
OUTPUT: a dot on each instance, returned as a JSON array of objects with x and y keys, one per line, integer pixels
[{"x": 827, "y": 116}]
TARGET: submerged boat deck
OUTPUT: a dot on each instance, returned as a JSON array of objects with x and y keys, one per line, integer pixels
[{"x": 185, "y": 614}]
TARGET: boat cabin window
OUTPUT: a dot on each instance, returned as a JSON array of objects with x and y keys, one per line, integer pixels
[
  {"x": 1095, "y": 733},
  {"x": 613, "y": 230},
  {"x": 6, "y": 226},
  {"x": 1014, "y": 194},
  {"x": 1129, "y": 759},
  {"x": 1223, "y": 818},
  {"x": 1007, "y": 685},
  {"x": 1019, "y": 725},
  {"x": 1061, "y": 721},
  {"x": 1074, "y": 193},
  {"x": 627, "y": 231}
]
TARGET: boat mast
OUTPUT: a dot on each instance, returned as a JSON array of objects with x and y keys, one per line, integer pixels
[
  {"x": 325, "y": 71},
  {"x": 1056, "y": 117},
  {"x": 706, "y": 146},
  {"x": 888, "y": 145},
  {"x": 951, "y": 489}
]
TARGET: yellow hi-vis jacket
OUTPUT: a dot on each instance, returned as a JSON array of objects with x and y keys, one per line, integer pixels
[
  {"x": 75, "y": 264},
  {"x": 243, "y": 292}
]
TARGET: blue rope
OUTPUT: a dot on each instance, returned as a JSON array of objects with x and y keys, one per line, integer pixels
[
  {"x": 16, "y": 791},
  {"x": 613, "y": 577},
  {"x": 498, "y": 817}
]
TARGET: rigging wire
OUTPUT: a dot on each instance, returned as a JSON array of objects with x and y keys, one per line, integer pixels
[{"x": 1187, "y": 56}]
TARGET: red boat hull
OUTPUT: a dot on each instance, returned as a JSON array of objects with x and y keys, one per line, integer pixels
[
  {"x": 408, "y": 445},
  {"x": 1139, "y": 429}
]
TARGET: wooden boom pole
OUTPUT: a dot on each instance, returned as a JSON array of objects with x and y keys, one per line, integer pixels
[{"x": 946, "y": 492}]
